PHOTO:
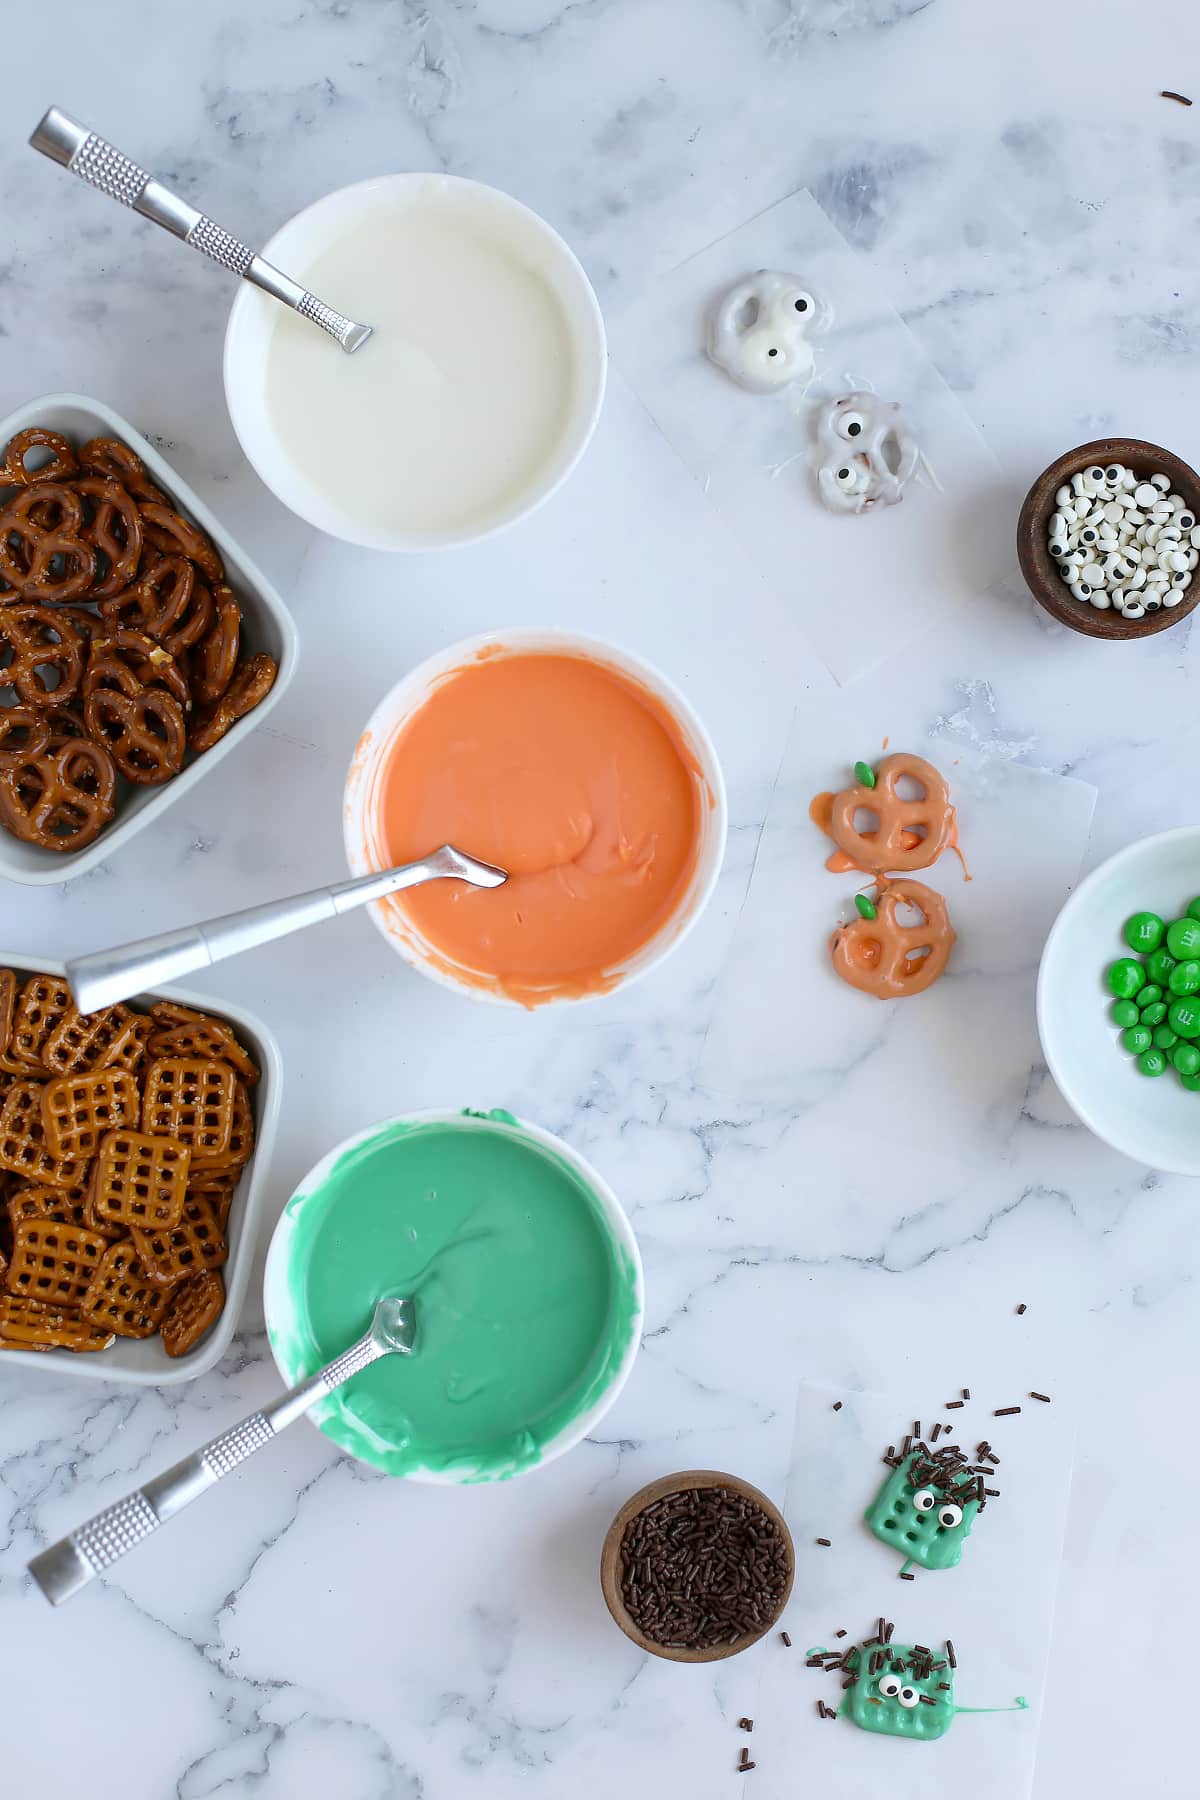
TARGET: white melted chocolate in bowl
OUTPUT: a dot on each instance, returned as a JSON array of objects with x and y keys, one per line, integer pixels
[{"x": 476, "y": 392}]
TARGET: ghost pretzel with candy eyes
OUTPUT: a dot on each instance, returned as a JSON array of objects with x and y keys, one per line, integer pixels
[
  {"x": 865, "y": 453},
  {"x": 758, "y": 331}
]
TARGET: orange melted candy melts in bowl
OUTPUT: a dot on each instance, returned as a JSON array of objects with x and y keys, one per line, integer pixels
[{"x": 576, "y": 780}]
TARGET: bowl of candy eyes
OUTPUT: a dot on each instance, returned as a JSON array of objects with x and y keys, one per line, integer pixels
[{"x": 1109, "y": 538}]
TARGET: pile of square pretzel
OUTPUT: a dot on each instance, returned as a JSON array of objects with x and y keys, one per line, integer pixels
[{"x": 123, "y": 1135}]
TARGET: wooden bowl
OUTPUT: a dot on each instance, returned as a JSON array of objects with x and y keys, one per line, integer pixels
[
  {"x": 610, "y": 1561},
  {"x": 1041, "y": 571}
]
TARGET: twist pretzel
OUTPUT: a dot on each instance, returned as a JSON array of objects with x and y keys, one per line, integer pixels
[
  {"x": 24, "y": 731},
  {"x": 40, "y": 641},
  {"x": 122, "y": 654},
  {"x": 112, "y": 525},
  {"x": 249, "y": 687},
  {"x": 156, "y": 601},
  {"x": 174, "y": 535},
  {"x": 911, "y": 834},
  {"x": 61, "y": 799},
  {"x": 142, "y": 727},
  {"x": 43, "y": 555},
  {"x": 61, "y": 467},
  {"x": 215, "y": 659},
  {"x": 110, "y": 457},
  {"x": 890, "y": 960}
]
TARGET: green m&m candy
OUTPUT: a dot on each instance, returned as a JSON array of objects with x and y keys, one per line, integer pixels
[
  {"x": 1154, "y": 1015},
  {"x": 1185, "y": 977},
  {"x": 1149, "y": 994},
  {"x": 1193, "y": 908},
  {"x": 1186, "y": 1059},
  {"x": 1191, "y": 1082},
  {"x": 864, "y": 774},
  {"x": 1137, "y": 1039},
  {"x": 1124, "y": 1013},
  {"x": 1183, "y": 938},
  {"x": 1159, "y": 964},
  {"x": 1125, "y": 978},
  {"x": 1152, "y": 1062},
  {"x": 1183, "y": 1016},
  {"x": 1164, "y": 1037},
  {"x": 1144, "y": 932}
]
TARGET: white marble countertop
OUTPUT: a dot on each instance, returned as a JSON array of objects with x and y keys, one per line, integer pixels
[{"x": 1030, "y": 205}]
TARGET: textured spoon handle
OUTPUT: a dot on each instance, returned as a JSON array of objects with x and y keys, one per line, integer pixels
[
  {"x": 93, "y": 1547},
  {"x": 65, "y": 141}
]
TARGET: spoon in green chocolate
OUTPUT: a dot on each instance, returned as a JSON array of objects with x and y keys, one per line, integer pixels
[{"x": 70, "y": 1564}]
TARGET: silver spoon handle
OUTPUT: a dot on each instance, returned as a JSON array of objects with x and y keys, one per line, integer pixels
[
  {"x": 106, "y": 977},
  {"x": 94, "y": 1546},
  {"x": 64, "y": 140}
]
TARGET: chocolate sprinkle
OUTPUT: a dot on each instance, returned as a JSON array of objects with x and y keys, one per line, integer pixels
[
  {"x": 785, "y": 1640},
  {"x": 906, "y": 1576},
  {"x": 701, "y": 1567},
  {"x": 1005, "y": 1412},
  {"x": 825, "y": 1543},
  {"x": 745, "y": 1724},
  {"x": 839, "y": 1634},
  {"x": 1021, "y": 1308},
  {"x": 1169, "y": 94},
  {"x": 954, "y": 1405},
  {"x": 1044, "y": 1398},
  {"x": 950, "y": 1656},
  {"x": 837, "y": 1406},
  {"x": 966, "y": 1393}
]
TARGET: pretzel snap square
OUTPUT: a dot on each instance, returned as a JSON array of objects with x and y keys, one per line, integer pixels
[
  {"x": 82, "y": 1042},
  {"x": 53, "y": 1263},
  {"x": 195, "y": 1306},
  {"x": 43, "y": 1001},
  {"x": 120, "y": 1298},
  {"x": 23, "y": 1145},
  {"x": 78, "y": 1109},
  {"x": 140, "y": 1181},
  {"x": 33, "y": 1325},
  {"x": 195, "y": 1244},
  {"x": 192, "y": 1100}
]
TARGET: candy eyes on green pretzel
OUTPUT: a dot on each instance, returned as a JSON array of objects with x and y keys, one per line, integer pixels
[
  {"x": 949, "y": 1515},
  {"x": 908, "y": 1696},
  {"x": 924, "y": 1500},
  {"x": 889, "y": 1686}
]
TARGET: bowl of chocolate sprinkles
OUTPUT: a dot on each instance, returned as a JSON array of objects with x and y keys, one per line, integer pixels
[{"x": 697, "y": 1566}]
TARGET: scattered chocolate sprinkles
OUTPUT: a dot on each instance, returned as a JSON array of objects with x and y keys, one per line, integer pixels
[
  {"x": 745, "y": 1724},
  {"x": 785, "y": 1640},
  {"x": 701, "y": 1567},
  {"x": 839, "y": 1634},
  {"x": 1021, "y": 1308},
  {"x": 950, "y": 1656},
  {"x": 928, "y": 1700},
  {"x": 966, "y": 1393},
  {"x": 954, "y": 1405},
  {"x": 825, "y": 1543},
  {"x": 745, "y": 1768},
  {"x": 1005, "y": 1412},
  {"x": 905, "y": 1575},
  {"x": 1044, "y": 1398},
  {"x": 1170, "y": 94},
  {"x": 837, "y": 1406}
]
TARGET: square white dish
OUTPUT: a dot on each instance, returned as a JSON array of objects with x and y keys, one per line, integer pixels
[
  {"x": 267, "y": 627},
  {"x": 142, "y": 1362}
]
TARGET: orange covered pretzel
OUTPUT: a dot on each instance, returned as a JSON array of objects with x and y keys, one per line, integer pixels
[
  {"x": 890, "y": 959},
  {"x": 909, "y": 834}
]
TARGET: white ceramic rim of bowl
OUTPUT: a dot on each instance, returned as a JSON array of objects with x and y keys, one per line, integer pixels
[
  {"x": 404, "y": 699},
  {"x": 270, "y": 623},
  {"x": 252, "y": 319},
  {"x": 276, "y": 1299},
  {"x": 1130, "y": 1142},
  {"x": 142, "y": 1362}
]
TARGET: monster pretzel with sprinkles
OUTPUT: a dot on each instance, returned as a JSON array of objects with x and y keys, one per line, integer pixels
[{"x": 927, "y": 1505}]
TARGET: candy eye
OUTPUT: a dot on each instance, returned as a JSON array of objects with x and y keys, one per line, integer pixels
[
  {"x": 949, "y": 1516},
  {"x": 803, "y": 303},
  {"x": 908, "y": 1696},
  {"x": 889, "y": 1686},
  {"x": 850, "y": 425},
  {"x": 846, "y": 478},
  {"x": 925, "y": 1500}
]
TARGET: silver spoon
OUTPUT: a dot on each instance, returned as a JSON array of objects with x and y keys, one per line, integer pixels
[
  {"x": 64, "y": 140},
  {"x": 93, "y": 1547},
  {"x": 108, "y": 976}
]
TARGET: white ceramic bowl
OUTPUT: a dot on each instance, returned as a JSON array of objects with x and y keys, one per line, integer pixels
[
  {"x": 266, "y": 621},
  {"x": 1152, "y": 1119},
  {"x": 277, "y": 1301},
  {"x": 366, "y": 852},
  {"x": 305, "y": 237},
  {"x": 142, "y": 1362}
]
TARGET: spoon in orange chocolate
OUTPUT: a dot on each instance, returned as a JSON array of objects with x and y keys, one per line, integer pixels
[{"x": 106, "y": 977}]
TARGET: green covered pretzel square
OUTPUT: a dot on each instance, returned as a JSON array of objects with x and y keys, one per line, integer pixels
[
  {"x": 925, "y": 1525},
  {"x": 898, "y": 1702}
]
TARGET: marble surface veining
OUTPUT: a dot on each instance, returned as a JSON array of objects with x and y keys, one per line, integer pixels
[{"x": 1030, "y": 204}]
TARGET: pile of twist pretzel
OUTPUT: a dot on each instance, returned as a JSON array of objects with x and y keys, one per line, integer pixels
[{"x": 120, "y": 638}]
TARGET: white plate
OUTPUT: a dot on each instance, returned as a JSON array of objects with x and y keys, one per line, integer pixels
[
  {"x": 142, "y": 1362},
  {"x": 1152, "y": 1119},
  {"x": 267, "y": 627}
]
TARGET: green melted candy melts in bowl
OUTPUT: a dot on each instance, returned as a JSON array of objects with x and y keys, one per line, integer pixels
[{"x": 525, "y": 1301}]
